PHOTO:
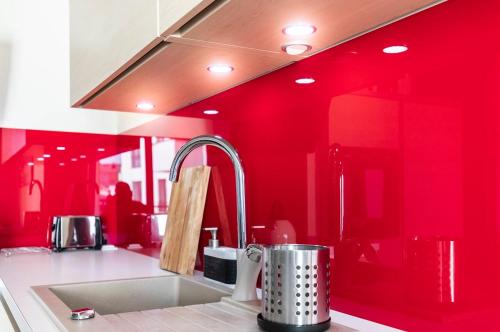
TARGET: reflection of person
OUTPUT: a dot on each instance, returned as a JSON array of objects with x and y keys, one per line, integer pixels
[
  {"x": 277, "y": 229},
  {"x": 122, "y": 216},
  {"x": 82, "y": 231},
  {"x": 282, "y": 230}
]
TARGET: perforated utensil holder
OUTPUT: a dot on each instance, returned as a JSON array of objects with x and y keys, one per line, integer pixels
[{"x": 295, "y": 288}]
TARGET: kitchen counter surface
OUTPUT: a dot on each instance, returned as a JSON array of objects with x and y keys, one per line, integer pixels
[
  {"x": 20, "y": 272},
  {"x": 222, "y": 316}
]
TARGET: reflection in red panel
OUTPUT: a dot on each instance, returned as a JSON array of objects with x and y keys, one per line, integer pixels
[
  {"x": 392, "y": 159},
  {"x": 49, "y": 173},
  {"x": 54, "y": 173}
]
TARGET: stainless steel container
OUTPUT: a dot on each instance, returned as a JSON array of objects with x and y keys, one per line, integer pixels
[{"x": 295, "y": 287}]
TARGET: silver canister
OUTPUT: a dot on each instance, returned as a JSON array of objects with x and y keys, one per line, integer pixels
[{"x": 296, "y": 284}]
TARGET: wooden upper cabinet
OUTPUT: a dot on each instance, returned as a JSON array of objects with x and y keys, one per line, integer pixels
[
  {"x": 109, "y": 36},
  {"x": 258, "y": 24},
  {"x": 120, "y": 58},
  {"x": 177, "y": 75}
]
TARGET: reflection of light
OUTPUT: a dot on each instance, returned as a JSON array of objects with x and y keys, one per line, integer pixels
[
  {"x": 210, "y": 112},
  {"x": 74, "y": 159},
  {"x": 259, "y": 227},
  {"x": 82, "y": 156},
  {"x": 161, "y": 220},
  {"x": 61, "y": 148},
  {"x": 395, "y": 49},
  {"x": 101, "y": 149},
  {"x": 220, "y": 68},
  {"x": 305, "y": 80},
  {"x": 300, "y": 29},
  {"x": 296, "y": 49},
  {"x": 61, "y": 164},
  {"x": 31, "y": 163},
  {"x": 39, "y": 158},
  {"x": 452, "y": 270},
  {"x": 46, "y": 155},
  {"x": 145, "y": 106},
  {"x": 342, "y": 207}
]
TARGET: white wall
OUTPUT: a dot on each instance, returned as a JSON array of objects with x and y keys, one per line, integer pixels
[{"x": 34, "y": 73}]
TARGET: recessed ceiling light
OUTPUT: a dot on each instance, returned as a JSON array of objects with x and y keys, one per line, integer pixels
[
  {"x": 395, "y": 49},
  {"x": 299, "y": 29},
  {"x": 82, "y": 156},
  {"x": 305, "y": 80},
  {"x": 296, "y": 49},
  {"x": 145, "y": 106},
  {"x": 61, "y": 148},
  {"x": 220, "y": 68},
  {"x": 39, "y": 158},
  {"x": 74, "y": 159},
  {"x": 46, "y": 155},
  {"x": 61, "y": 164},
  {"x": 101, "y": 149},
  {"x": 210, "y": 112},
  {"x": 31, "y": 163}
]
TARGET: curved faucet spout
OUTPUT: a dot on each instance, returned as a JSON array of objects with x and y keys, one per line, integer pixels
[{"x": 238, "y": 169}]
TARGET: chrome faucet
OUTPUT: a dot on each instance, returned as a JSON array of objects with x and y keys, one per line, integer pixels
[{"x": 238, "y": 169}]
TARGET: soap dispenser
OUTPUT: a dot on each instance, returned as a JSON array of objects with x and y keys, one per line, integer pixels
[
  {"x": 213, "y": 242},
  {"x": 219, "y": 262}
]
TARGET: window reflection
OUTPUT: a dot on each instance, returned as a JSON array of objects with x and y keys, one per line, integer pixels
[{"x": 134, "y": 204}]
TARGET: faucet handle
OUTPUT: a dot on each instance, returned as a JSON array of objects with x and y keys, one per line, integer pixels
[
  {"x": 213, "y": 242},
  {"x": 254, "y": 252}
]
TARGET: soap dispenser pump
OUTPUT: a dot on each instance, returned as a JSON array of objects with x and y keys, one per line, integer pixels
[{"x": 213, "y": 242}]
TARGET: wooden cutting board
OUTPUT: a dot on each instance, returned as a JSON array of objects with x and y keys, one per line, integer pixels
[{"x": 185, "y": 213}]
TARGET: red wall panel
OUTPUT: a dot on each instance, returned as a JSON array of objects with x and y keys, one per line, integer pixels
[{"x": 418, "y": 148}]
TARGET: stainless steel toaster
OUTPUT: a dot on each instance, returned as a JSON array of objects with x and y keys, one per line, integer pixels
[{"x": 77, "y": 232}]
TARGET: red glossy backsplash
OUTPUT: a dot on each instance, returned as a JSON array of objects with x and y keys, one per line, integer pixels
[
  {"x": 414, "y": 140},
  {"x": 392, "y": 160},
  {"x": 66, "y": 181}
]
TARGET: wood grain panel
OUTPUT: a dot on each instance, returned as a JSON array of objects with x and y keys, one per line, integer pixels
[
  {"x": 178, "y": 75},
  {"x": 185, "y": 214},
  {"x": 258, "y": 23},
  {"x": 245, "y": 34}
]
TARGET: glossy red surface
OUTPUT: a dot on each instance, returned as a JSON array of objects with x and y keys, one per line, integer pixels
[
  {"x": 413, "y": 137},
  {"x": 121, "y": 178},
  {"x": 63, "y": 183},
  {"x": 416, "y": 138}
]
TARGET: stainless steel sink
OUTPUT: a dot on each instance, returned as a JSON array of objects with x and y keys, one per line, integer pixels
[{"x": 120, "y": 296}]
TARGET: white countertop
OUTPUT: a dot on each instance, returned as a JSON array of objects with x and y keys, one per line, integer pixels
[{"x": 20, "y": 272}]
